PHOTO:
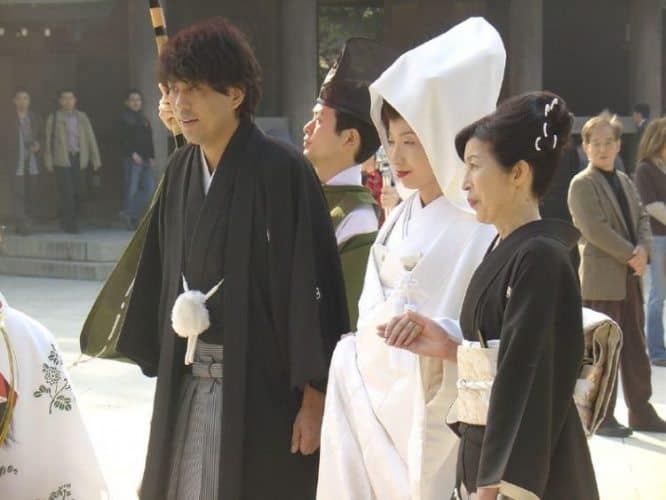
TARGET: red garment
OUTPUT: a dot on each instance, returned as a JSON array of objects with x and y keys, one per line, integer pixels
[{"x": 373, "y": 182}]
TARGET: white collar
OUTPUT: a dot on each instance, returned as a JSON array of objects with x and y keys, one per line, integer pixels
[
  {"x": 437, "y": 204},
  {"x": 207, "y": 176},
  {"x": 349, "y": 177}
]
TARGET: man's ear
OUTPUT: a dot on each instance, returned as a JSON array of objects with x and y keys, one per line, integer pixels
[
  {"x": 237, "y": 95},
  {"x": 353, "y": 138}
]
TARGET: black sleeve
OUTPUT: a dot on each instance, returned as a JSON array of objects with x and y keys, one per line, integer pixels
[
  {"x": 316, "y": 305},
  {"x": 540, "y": 352}
]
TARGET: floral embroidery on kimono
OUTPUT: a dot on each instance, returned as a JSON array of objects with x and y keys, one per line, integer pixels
[
  {"x": 56, "y": 384},
  {"x": 47, "y": 453}
]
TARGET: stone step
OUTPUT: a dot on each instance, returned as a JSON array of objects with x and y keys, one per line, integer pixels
[
  {"x": 89, "y": 246},
  {"x": 55, "y": 268}
]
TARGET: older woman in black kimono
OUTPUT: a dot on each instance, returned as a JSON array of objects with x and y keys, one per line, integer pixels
[{"x": 521, "y": 321}]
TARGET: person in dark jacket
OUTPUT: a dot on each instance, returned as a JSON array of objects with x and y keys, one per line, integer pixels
[
  {"x": 640, "y": 116},
  {"x": 138, "y": 158},
  {"x": 23, "y": 146}
]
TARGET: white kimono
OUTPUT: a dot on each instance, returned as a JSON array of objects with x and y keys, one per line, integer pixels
[
  {"x": 49, "y": 454},
  {"x": 384, "y": 434}
]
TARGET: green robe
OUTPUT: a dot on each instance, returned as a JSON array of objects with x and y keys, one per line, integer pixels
[{"x": 342, "y": 200}]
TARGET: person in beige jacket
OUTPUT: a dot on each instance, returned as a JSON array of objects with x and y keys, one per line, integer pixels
[
  {"x": 615, "y": 229},
  {"x": 71, "y": 147}
]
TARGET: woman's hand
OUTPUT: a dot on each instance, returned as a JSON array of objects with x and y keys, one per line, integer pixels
[
  {"x": 420, "y": 335},
  {"x": 389, "y": 197},
  {"x": 487, "y": 493}
]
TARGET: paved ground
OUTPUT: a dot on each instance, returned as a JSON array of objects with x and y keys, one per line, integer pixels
[{"x": 116, "y": 402}]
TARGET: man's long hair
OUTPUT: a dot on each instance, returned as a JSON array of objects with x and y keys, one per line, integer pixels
[{"x": 217, "y": 53}]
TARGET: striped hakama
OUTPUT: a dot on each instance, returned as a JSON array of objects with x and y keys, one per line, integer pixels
[{"x": 195, "y": 462}]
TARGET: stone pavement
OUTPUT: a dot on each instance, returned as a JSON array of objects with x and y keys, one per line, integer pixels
[{"x": 116, "y": 400}]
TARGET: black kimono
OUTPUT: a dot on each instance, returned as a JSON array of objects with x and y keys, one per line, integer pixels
[
  {"x": 526, "y": 294},
  {"x": 265, "y": 228}
]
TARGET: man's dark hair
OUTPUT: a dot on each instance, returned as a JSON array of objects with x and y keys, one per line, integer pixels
[
  {"x": 20, "y": 90},
  {"x": 216, "y": 53},
  {"x": 369, "y": 138},
  {"x": 65, "y": 90},
  {"x": 642, "y": 109},
  {"x": 133, "y": 91}
]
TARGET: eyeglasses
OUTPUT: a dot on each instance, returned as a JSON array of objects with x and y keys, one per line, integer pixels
[{"x": 602, "y": 145}]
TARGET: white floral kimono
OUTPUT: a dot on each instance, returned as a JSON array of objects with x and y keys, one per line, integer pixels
[{"x": 47, "y": 454}]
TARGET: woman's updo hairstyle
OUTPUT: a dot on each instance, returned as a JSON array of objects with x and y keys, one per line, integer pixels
[{"x": 533, "y": 127}]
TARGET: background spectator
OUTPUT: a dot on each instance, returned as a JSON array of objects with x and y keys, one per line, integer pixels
[
  {"x": 651, "y": 182},
  {"x": 615, "y": 230},
  {"x": 71, "y": 147},
  {"x": 554, "y": 203},
  {"x": 640, "y": 116},
  {"x": 138, "y": 153},
  {"x": 23, "y": 145}
]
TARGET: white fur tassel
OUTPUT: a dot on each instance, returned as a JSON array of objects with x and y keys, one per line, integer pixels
[{"x": 190, "y": 317}]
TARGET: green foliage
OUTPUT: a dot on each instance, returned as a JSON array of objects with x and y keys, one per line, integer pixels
[{"x": 337, "y": 24}]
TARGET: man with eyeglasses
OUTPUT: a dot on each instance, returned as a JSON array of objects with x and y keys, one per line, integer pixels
[{"x": 614, "y": 225}]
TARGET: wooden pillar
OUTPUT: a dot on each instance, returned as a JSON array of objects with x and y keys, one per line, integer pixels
[
  {"x": 525, "y": 50},
  {"x": 646, "y": 54},
  {"x": 299, "y": 63}
]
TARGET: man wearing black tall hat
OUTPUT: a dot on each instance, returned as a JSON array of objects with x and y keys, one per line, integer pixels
[{"x": 337, "y": 140}]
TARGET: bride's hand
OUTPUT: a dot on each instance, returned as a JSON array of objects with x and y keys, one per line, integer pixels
[{"x": 420, "y": 335}]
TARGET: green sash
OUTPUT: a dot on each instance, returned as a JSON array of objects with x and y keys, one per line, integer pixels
[{"x": 102, "y": 327}]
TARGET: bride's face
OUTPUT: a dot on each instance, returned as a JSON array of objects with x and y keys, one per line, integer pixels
[{"x": 408, "y": 158}]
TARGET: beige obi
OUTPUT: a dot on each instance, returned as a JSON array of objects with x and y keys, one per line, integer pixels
[{"x": 477, "y": 367}]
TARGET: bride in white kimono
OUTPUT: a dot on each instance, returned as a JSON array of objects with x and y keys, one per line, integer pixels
[
  {"x": 45, "y": 451},
  {"x": 384, "y": 434}
]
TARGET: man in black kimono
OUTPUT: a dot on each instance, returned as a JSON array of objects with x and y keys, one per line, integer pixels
[{"x": 239, "y": 207}]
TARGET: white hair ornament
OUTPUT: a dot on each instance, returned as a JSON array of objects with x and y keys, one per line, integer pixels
[{"x": 547, "y": 109}]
